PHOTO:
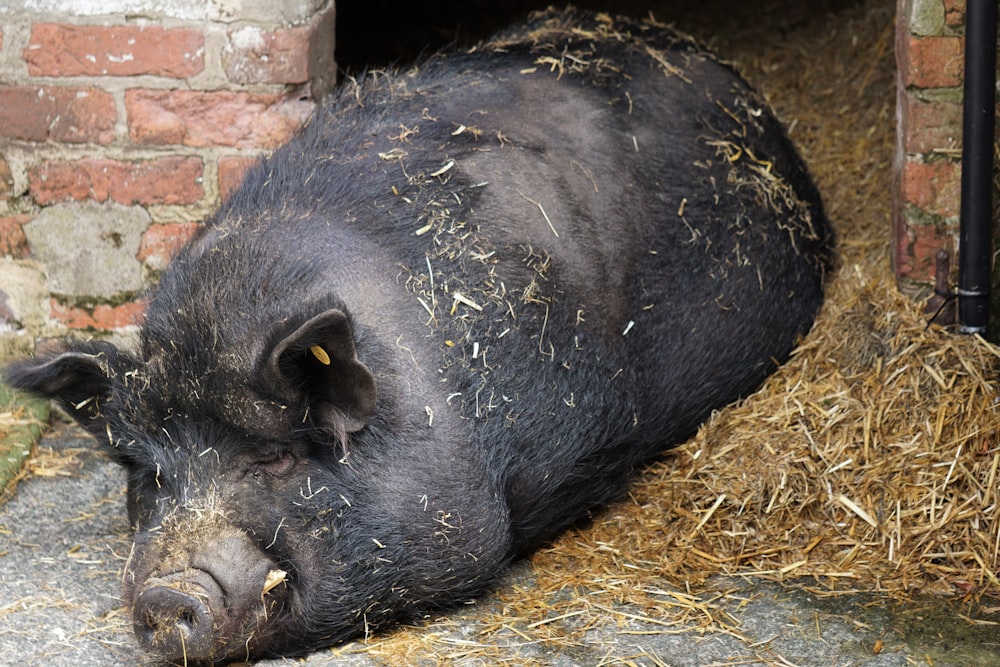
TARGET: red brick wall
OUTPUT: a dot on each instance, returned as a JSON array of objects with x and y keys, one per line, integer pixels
[
  {"x": 159, "y": 118},
  {"x": 927, "y": 171}
]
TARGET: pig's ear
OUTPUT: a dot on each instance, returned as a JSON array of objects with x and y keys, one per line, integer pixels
[
  {"x": 318, "y": 363},
  {"x": 80, "y": 380}
]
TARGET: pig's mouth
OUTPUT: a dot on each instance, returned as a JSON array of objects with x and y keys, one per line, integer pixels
[{"x": 208, "y": 612}]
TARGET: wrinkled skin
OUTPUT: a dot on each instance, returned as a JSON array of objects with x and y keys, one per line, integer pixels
[{"x": 440, "y": 325}]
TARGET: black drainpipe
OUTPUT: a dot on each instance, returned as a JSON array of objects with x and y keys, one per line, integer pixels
[{"x": 978, "y": 120}]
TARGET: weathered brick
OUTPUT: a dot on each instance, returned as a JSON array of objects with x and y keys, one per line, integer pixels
[
  {"x": 213, "y": 118},
  {"x": 125, "y": 50},
  {"x": 68, "y": 115},
  {"x": 917, "y": 247},
  {"x": 231, "y": 173},
  {"x": 170, "y": 180},
  {"x": 254, "y": 55},
  {"x": 932, "y": 62},
  {"x": 928, "y": 126},
  {"x": 954, "y": 13},
  {"x": 89, "y": 249},
  {"x": 12, "y": 239},
  {"x": 99, "y": 318},
  {"x": 161, "y": 242},
  {"x": 285, "y": 55},
  {"x": 934, "y": 188}
]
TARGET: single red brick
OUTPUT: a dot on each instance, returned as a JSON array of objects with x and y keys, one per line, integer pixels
[
  {"x": 67, "y": 115},
  {"x": 254, "y": 55},
  {"x": 215, "y": 118},
  {"x": 932, "y": 62},
  {"x": 169, "y": 180},
  {"x": 101, "y": 317},
  {"x": 12, "y": 239},
  {"x": 935, "y": 187},
  {"x": 117, "y": 317},
  {"x": 124, "y": 50},
  {"x": 928, "y": 126},
  {"x": 75, "y": 318},
  {"x": 161, "y": 242},
  {"x": 231, "y": 173}
]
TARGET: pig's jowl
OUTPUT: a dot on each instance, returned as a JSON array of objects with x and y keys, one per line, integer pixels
[{"x": 438, "y": 326}]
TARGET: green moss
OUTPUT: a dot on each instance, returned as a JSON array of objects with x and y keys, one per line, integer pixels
[
  {"x": 22, "y": 420},
  {"x": 88, "y": 303}
]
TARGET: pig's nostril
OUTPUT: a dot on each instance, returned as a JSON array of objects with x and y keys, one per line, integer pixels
[{"x": 173, "y": 623}]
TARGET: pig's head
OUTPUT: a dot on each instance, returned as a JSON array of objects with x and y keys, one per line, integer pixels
[{"x": 267, "y": 516}]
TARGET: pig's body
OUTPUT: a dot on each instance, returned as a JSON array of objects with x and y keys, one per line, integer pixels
[{"x": 439, "y": 325}]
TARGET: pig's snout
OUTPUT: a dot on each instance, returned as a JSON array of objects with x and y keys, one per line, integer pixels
[
  {"x": 210, "y": 604},
  {"x": 173, "y": 617}
]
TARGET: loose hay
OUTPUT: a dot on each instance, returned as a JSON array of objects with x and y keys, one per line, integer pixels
[{"x": 869, "y": 462}]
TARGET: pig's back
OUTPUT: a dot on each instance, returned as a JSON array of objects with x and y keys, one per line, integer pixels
[{"x": 588, "y": 242}]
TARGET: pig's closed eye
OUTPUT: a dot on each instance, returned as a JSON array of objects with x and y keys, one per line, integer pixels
[{"x": 277, "y": 465}]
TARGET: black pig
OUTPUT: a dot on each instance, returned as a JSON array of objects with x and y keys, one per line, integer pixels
[{"x": 438, "y": 326}]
